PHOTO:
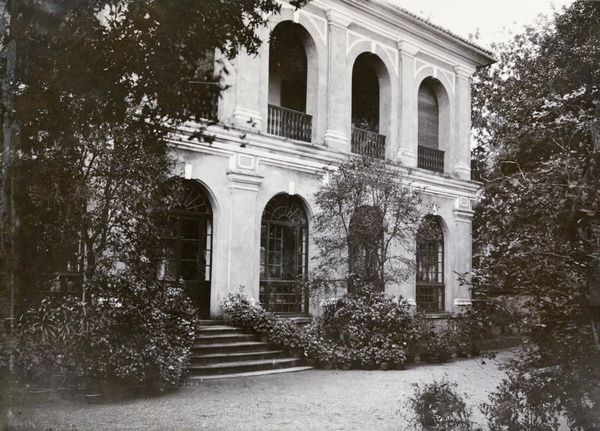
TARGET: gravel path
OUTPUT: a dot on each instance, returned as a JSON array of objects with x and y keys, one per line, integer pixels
[{"x": 310, "y": 400}]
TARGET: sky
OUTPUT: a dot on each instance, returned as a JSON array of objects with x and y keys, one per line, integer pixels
[{"x": 463, "y": 17}]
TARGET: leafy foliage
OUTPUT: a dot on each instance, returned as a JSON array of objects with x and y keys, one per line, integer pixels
[
  {"x": 524, "y": 401},
  {"x": 367, "y": 326},
  {"x": 537, "y": 229},
  {"x": 139, "y": 330},
  {"x": 437, "y": 406},
  {"x": 94, "y": 115},
  {"x": 367, "y": 215},
  {"x": 247, "y": 313},
  {"x": 99, "y": 86}
]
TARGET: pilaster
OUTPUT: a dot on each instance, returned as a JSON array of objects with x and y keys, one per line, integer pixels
[
  {"x": 337, "y": 123},
  {"x": 462, "y": 163},
  {"x": 246, "y": 114},
  {"x": 407, "y": 151},
  {"x": 242, "y": 224}
]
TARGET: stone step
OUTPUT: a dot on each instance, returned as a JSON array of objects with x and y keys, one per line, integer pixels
[
  {"x": 241, "y": 366},
  {"x": 215, "y": 358},
  {"x": 214, "y": 322},
  {"x": 223, "y": 338},
  {"x": 198, "y": 379},
  {"x": 245, "y": 346},
  {"x": 220, "y": 329}
]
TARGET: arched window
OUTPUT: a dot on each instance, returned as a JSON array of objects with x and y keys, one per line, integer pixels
[
  {"x": 430, "y": 266},
  {"x": 187, "y": 243},
  {"x": 283, "y": 255},
  {"x": 366, "y": 104},
  {"x": 288, "y": 83},
  {"x": 430, "y": 156},
  {"x": 365, "y": 246}
]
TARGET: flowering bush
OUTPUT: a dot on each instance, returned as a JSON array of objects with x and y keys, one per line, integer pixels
[
  {"x": 437, "y": 346},
  {"x": 137, "y": 331},
  {"x": 246, "y": 313},
  {"x": 437, "y": 406},
  {"x": 368, "y": 326}
]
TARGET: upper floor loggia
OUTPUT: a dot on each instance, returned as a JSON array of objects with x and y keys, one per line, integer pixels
[{"x": 358, "y": 77}]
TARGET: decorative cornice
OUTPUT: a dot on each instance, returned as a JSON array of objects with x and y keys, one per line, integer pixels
[
  {"x": 463, "y": 71},
  {"x": 338, "y": 19},
  {"x": 244, "y": 180},
  {"x": 408, "y": 48},
  {"x": 463, "y": 215}
]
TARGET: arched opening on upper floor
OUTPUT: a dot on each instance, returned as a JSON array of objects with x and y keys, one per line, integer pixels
[
  {"x": 370, "y": 105},
  {"x": 433, "y": 124},
  {"x": 290, "y": 53}
]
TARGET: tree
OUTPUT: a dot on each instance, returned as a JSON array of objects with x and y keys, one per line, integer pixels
[
  {"x": 99, "y": 85},
  {"x": 366, "y": 223},
  {"x": 537, "y": 227},
  {"x": 94, "y": 114}
]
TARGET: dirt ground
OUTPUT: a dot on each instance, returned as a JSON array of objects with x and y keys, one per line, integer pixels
[{"x": 309, "y": 400}]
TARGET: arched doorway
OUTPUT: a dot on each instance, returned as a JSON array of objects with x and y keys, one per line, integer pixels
[
  {"x": 283, "y": 255},
  {"x": 187, "y": 244}
]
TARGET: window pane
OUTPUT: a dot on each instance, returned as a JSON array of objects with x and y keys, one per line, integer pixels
[
  {"x": 189, "y": 270},
  {"x": 190, "y": 229},
  {"x": 167, "y": 270},
  {"x": 189, "y": 249}
]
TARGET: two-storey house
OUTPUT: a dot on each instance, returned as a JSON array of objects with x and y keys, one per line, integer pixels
[{"x": 335, "y": 78}]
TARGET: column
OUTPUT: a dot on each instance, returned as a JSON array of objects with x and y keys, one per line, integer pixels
[
  {"x": 337, "y": 121},
  {"x": 462, "y": 160},
  {"x": 407, "y": 151}
]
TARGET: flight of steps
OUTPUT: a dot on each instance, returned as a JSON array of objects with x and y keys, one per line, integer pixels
[{"x": 221, "y": 351}]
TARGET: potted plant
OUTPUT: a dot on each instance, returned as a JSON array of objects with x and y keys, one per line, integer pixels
[
  {"x": 343, "y": 357},
  {"x": 326, "y": 356},
  {"x": 366, "y": 357}
]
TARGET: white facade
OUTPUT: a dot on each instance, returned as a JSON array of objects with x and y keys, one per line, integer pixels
[{"x": 245, "y": 166}]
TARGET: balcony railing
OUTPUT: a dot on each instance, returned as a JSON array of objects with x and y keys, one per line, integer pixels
[
  {"x": 368, "y": 143},
  {"x": 289, "y": 124},
  {"x": 283, "y": 297},
  {"x": 206, "y": 104},
  {"x": 431, "y": 159}
]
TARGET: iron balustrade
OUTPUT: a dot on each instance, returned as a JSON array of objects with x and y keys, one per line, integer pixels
[
  {"x": 289, "y": 123},
  {"x": 283, "y": 297},
  {"x": 431, "y": 159},
  {"x": 367, "y": 143},
  {"x": 430, "y": 297},
  {"x": 206, "y": 104}
]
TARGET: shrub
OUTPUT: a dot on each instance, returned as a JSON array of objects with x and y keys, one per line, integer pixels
[
  {"x": 436, "y": 346},
  {"x": 53, "y": 337},
  {"x": 367, "y": 326},
  {"x": 138, "y": 330},
  {"x": 246, "y": 313},
  {"x": 438, "y": 407},
  {"x": 523, "y": 402}
]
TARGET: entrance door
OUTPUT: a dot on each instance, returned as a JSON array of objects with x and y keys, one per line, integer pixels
[
  {"x": 187, "y": 252},
  {"x": 284, "y": 255}
]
